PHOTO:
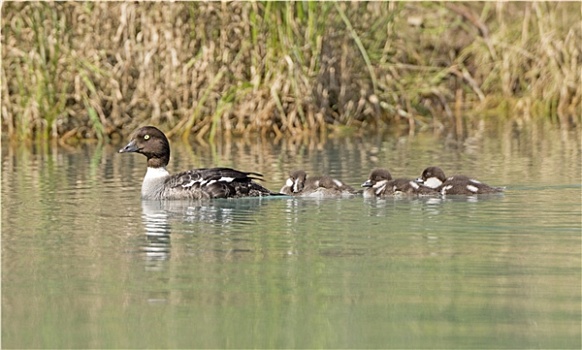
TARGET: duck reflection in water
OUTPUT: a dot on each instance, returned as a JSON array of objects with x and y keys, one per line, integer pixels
[
  {"x": 156, "y": 247},
  {"x": 219, "y": 216}
]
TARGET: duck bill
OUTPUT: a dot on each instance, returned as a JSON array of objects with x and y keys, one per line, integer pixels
[
  {"x": 130, "y": 147},
  {"x": 367, "y": 184}
]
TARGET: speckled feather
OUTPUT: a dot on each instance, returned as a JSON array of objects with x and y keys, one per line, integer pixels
[{"x": 213, "y": 183}]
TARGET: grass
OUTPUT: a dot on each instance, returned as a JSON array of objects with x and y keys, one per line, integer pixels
[{"x": 92, "y": 70}]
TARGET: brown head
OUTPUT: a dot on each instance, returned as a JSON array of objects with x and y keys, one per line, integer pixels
[
  {"x": 152, "y": 143},
  {"x": 376, "y": 176}
]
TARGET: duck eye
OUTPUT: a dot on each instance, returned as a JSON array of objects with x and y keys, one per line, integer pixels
[{"x": 146, "y": 137}]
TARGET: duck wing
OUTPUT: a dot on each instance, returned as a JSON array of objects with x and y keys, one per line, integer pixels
[
  {"x": 461, "y": 184},
  {"x": 217, "y": 183}
]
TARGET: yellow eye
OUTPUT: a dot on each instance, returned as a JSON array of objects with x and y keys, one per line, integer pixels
[{"x": 146, "y": 137}]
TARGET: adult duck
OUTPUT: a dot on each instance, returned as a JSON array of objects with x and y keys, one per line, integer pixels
[{"x": 204, "y": 183}]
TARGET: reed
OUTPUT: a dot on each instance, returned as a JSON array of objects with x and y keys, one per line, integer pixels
[{"x": 96, "y": 69}]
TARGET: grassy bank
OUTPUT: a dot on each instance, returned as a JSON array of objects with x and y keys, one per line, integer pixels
[{"x": 83, "y": 69}]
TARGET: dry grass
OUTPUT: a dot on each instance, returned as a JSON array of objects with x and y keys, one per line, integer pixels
[{"x": 84, "y": 69}]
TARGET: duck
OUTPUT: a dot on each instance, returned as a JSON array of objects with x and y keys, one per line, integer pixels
[
  {"x": 381, "y": 184},
  {"x": 205, "y": 183},
  {"x": 299, "y": 185},
  {"x": 434, "y": 177}
]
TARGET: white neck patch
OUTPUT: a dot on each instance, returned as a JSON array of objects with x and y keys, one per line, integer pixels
[
  {"x": 155, "y": 173},
  {"x": 153, "y": 182},
  {"x": 379, "y": 186},
  {"x": 433, "y": 182},
  {"x": 294, "y": 185}
]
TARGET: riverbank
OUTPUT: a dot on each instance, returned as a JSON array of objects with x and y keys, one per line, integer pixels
[{"x": 93, "y": 70}]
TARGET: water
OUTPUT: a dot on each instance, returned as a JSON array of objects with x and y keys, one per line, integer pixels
[{"x": 86, "y": 263}]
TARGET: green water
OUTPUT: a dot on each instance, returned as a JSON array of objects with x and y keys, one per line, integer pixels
[{"x": 86, "y": 263}]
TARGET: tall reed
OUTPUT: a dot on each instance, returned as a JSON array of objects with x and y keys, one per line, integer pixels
[{"x": 95, "y": 69}]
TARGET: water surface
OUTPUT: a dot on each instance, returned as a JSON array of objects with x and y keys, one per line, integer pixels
[{"x": 87, "y": 263}]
